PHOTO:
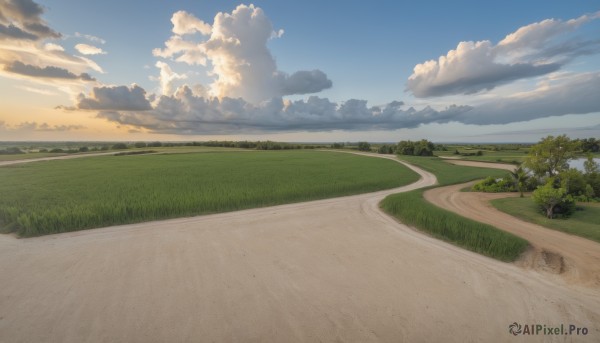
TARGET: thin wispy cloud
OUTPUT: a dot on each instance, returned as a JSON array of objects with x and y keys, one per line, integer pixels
[{"x": 87, "y": 49}]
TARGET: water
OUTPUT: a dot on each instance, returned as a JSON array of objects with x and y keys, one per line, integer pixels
[{"x": 578, "y": 163}]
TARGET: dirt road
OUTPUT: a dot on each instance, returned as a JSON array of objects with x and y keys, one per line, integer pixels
[
  {"x": 576, "y": 259},
  {"x": 329, "y": 270},
  {"x": 51, "y": 158}
]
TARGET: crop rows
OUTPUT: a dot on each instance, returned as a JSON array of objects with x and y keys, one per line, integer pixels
[{"x": 59, "y": 196}]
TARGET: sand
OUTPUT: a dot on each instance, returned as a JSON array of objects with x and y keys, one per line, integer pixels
[{"x": 329, "y": 270}]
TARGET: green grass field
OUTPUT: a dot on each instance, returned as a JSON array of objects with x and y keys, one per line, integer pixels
[
  {"x": 59, "y": 196},
  {"x": 412, "y": 209},
  {"x": 584, "y": 223},
  {"x": 509, "y": 156},
  {"x": 449, "y": 174}
]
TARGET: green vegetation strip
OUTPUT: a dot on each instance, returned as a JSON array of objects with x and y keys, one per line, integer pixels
[
  {"x": 412, "y": 209},
  {"x": 584, "y": 223},
  {"x": 59, "y": 196}
]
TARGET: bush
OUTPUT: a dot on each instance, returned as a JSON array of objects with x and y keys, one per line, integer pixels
[
  {"x": 57, "y": 150},
  {"x": 140, "y": 145},
  {"x": 493, "y": 185},
  {"x": 84, "y": 149},
  {"x": 154, "y": 144}
]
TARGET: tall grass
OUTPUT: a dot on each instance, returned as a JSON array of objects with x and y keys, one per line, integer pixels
[
  {"x": 58, "y": 196},
  {"x": 412, "y": 209}
]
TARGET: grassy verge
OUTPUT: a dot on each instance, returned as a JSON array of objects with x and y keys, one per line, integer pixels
[
  {"x": 412, "y": 209},
  {"x": 584, "y": 223},
  {"x": 67, "y": 195}
]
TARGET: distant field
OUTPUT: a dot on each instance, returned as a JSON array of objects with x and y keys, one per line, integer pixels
[
  {"x": 585, "y": 223},
  {"x": 503, "y": 156},
  {"x": 177, "y": 149},
  {"x": 448, "y": 174},
  {"x": 67, "y": 195}
]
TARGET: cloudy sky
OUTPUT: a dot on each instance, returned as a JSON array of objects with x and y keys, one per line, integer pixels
[{"x": 462, "y": 71}]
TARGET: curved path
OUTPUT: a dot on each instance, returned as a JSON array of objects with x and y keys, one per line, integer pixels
[
  {"x": 51, "y": 158},
  {"x": 329, "y": 270},
  {"x": 577, "y": 259}
]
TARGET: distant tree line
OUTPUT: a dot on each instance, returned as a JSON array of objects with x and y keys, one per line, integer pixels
[
  {"x": 418, "y": 148},
  {"x": 11, "y": 151}
]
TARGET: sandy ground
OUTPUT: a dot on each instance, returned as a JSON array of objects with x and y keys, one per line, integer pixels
[{"x": 329, "y": 270}]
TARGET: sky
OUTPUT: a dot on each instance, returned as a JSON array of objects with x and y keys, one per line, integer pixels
[{"x": 299, "y": 71}]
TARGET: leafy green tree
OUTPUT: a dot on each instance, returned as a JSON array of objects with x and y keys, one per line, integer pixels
[
  {"x": 553, "y": 200},
  {"x": 573, "y": 181},
  {"x": 424, "y": 148},
  {"x": 405, "y": 148},
  {"x": 591, "y": 166},
  {"x": 386, "y": 149},
  {"x": 551, "y": 156}
]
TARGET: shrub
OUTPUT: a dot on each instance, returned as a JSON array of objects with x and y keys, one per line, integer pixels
[
  {"x": 493, "y": 185},
  {"x": 140, "y": 145}
]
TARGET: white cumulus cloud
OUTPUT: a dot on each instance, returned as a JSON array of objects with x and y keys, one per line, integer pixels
[
  {"x": 532, "y": 50},
  {"x": 237, "y": 55}
]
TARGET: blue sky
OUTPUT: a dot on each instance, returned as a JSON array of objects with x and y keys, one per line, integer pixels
[{"x": 330, "y": 57}]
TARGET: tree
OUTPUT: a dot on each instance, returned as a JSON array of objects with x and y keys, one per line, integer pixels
[
  {"x": 573, "y": 181},
  {"x": 420, "y": 148},
  {"x": 520, "y": 177},
  {"x": 590, "y": 166},
  {"x": 549, "y": 198},
  {"x": 424, "y": 148},
  {"x": 364, "y": 146},
  {"x": 405, "y": 148},
  {"x": 551, "y": 155}
]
